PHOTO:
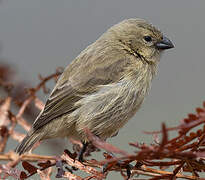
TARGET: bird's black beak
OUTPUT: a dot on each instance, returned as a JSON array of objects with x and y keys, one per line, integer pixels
[{"x": 165, "y": 43}]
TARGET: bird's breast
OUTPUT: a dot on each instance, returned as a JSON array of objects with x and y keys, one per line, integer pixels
[{"x": 107, "y": 110}]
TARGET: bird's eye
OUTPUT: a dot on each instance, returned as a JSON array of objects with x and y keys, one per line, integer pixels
[{"x": 148, "y": 38}]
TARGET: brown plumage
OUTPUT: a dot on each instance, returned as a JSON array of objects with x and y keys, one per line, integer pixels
[{"x": 104, "y": 86}]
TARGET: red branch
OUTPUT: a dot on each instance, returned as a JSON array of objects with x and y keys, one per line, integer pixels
[{"x": 183, "y": 155}]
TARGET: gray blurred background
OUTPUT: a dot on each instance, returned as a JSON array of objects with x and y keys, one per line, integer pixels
[{"x": 36, "y": 36}]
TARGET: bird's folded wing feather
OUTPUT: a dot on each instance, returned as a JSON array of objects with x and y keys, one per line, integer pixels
[
  {"x": 76, "y": 81},
  {"x": 58, "y": 105}
]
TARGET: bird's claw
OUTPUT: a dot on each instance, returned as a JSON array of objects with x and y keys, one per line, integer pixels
[{"x": 82, "y": 151}]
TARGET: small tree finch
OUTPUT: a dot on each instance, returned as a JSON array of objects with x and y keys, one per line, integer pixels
[{"x": 103, "y": 87}]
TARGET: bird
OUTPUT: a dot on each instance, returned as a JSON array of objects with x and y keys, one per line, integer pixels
[{"x": 103, "y": 87}]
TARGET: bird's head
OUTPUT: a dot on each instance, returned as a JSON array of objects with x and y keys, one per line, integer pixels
[{"x": 141, "y": 38}]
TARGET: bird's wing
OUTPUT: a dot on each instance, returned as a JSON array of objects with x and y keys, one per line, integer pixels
[
  {"x": 78, "y": 79},
  {"x": 60, "y": 102}
]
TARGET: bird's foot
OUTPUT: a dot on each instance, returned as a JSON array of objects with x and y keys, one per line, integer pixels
[
  {"x": 82, "y": 151},
  {"x": 80, "y": 155}
]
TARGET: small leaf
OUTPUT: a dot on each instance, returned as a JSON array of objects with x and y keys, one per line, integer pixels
[
  {"x": 187, "y": 138},
  {"x": 29, "y": 167},
  {"x": 164, "y": 136},
  {"x": 192, "y": 116},
  {"x": 199, "y": 132},
  {"x": 23, "y": 175},
  {"x": 192, "y": 134},
  {"x": 186, "y": 120},
  {"x": 71, "y": 155},
  {"x": 3, "y": 131},
  {"x": 44, "y": 164},
  {"x": 199, "y": 110}
]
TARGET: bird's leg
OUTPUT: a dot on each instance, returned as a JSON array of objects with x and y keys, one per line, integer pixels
[
  {"x": 128, "y": 167},
  {"x": 82, "y": 151}
]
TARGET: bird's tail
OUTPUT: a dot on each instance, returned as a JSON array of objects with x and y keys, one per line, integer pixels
[{"x": 28, "y": 142}]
